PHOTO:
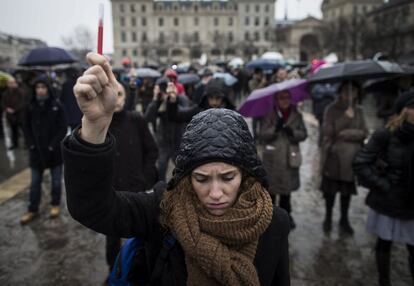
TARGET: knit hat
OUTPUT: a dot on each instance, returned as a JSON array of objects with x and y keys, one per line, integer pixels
[
  {"x": 405, "y": 99},
  {"x": 217, "y": 135},
  {"x": 170, "y": 73}
]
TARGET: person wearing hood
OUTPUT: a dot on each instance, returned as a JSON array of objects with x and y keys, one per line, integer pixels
[
  {"x": 227, "y": 232},
  {"x": 215, "y": 96},
  {"x": 173, "y": 78},
  {"x": 135, "y": 157},
  {"x": 385, "y": 165},
  {"x": 344, "y": 132},
  {"x": 13, "y": 103},
  {"x": 281, "y": 131},
  {"x": 45, "y": 127}
]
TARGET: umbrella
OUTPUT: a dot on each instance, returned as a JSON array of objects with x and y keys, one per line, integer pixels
[
  {"x": 272, "y": 56},
  {"x": 229, "y": 80},
  {"x": 147, "y": 72},
  {"x": 260, "y": 101},
  {"x": 236, "y": 62},
  {"x": 264, "y": 64},
  {"x": 356, "y": 70},
  {"x": 381, "y": 84},
  {"x": 47, "y": 56},
  {"x": 188, "y": 78}
]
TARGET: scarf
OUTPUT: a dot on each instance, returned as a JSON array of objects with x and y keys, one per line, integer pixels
[{"x": 219, "y": 250}]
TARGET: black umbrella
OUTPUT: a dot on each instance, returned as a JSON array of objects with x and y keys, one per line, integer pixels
[
  {"x": 188, "y": 78},
  {"x": 356, "y": 70},
  {"x": 380, "y": 84},
  {"x": 47, "y": 56},
  {"x": 264, "y": 64}
]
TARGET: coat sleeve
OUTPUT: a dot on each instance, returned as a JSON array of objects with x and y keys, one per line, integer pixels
[
  {"x": 152, "y": 111},
  {"x": 299, "y": 132},
  {"x": 268, "y": 129},
  {"x": 282, "y": 274},
  {"x": 179, "y": 113},
  {"x": 150, "y": 155},
  {"x": 61, "y": 127},
  {"x": 328, "y": 126},
  {"x": 365, "y": 162},
  {"x": 27, "y": 129},
  {"x": 91, "y": 200},
  {"x": 355, "y": 134}
]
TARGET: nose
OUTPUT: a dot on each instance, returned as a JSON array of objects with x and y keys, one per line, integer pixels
[{"x": 215, "y": 191}]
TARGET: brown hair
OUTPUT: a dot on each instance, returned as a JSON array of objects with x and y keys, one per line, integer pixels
[{"x": 396, "y": 121}]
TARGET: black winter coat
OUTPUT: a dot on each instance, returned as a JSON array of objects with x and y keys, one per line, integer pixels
[
  {"x": 92, "y": 202},
  {"x": 68, "y": 99},
  {"x": 45, "y": 127},
  {"x": 382, "y": 165},
  {"x": 136, "y": 153}
]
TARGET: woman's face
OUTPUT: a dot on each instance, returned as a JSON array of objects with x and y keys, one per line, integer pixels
[
  {"x": 41, "y": 89},
  {"x": 409, "y": 110},
  {"x": 217, "y": 185},
  {"x": 215, "y": 101},
  {"x": 283, "y": 99}
]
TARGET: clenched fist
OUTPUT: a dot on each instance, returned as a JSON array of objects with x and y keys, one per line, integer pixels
[{"x": 96, "y": 94}]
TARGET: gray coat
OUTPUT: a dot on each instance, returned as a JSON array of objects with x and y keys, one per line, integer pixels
[
  {"x": 282, "y": 177},
  {"x": 343, "y": 137}
]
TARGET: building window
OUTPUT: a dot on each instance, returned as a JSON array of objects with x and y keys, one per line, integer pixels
[
  {"x": 144, "y": 52},
  {"x": 122, "y": 19},
  {"x": 134, "y": 53},
  {"x": 230, "y": 21},
  {"x": 176, "y": 37},
  {"x": 266, "y": 36},
  {"x": 267, "y": 8},
  {"x": 256, "y": 36},
  {"x": 256, "y": 21},
  {"x": 121, "y": 8},
  {"x": 196, "y": 37},
  {"x": 124, "y": 53},
  {"x": 161, "y": 38},
  {"x": 257, "y": 8},
  {"x": 231, "y": 37},
  {"x": 160, "y": 21},
  {"x": 266, "y": 21},
  {"x": 195, "y": 21},
  {"x": 132, "y": 8},
  {"x": 247, "y": 21},
  {"x": 133, "y": 21},
  {"x": 134, "y": 36},
  {"x": 144, "y": 36},
  {"x": 246, "y": 36},
  {"x": 123, "y": 37},
  {"x": 247, "y": 8},
  {"x": 143, "y": 8},
  {"x": 176, "y": 22},
  {"x": 196, "y": 8},
  {"x": 144, "y": 21},
  {"x": 216, "y": 21}
]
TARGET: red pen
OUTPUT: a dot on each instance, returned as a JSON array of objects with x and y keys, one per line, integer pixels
[{"x": 100, "y": 29}]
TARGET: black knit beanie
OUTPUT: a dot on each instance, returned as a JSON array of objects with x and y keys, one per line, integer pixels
[
  {"x": 405, "y": 99},
  {"x": 217, "y": 135}
]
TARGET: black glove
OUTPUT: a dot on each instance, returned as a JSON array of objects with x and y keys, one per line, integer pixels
[
  {"x": 288, "y": 130},
  {"x": 279, "y": 125}
]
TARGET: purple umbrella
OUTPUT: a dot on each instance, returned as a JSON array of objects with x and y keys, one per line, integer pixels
[{"x": 260, "y": 101}]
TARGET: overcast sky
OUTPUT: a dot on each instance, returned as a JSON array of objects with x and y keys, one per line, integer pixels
[{"x": 49, "y": 20}]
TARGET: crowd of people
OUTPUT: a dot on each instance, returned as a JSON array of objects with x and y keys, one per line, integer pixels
[{"x": 230, "y": 219}]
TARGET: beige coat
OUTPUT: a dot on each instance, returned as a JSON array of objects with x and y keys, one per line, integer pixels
[
  {"x": 283, "y": 179},
  {"x": 343, "y": 137}
]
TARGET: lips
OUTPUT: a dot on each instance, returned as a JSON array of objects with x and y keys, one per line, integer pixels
[{"x": 217, "y": 206}]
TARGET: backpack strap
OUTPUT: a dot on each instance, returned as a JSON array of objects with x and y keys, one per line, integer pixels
[{"x": 168, "y": 244}]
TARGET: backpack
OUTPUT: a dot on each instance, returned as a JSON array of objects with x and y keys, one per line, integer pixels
[{"x": 130, "y": 267}]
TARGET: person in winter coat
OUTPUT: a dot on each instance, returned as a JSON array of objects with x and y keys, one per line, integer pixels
[
  {"x": 215, "y": 96},
  {"x": 344, "y": 131},
  {"x": 281, "y": 131},
  {"x": 385, "y": 165},
  {"x": 13, "y": 104},
  {"x": 45, "y": 127},
  {"x": 168, "y": 133},
  {"x": 227, "y": 230},
  {"x": 135, "y": 157},
  {"x": 72, "y": 111},
  {"x": 173, "y": 77}
]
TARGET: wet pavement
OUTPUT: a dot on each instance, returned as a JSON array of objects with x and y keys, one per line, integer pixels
[{"x": 62, "y": 252}]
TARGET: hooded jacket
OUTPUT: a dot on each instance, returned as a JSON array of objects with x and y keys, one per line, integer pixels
[
  {"x": 45, "y": 127},
  {"x": 92, "y": 202},
  {"x": 214, "y": 87}
]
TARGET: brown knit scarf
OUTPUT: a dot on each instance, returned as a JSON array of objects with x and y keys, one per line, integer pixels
[{"x": 219, "y": 250}]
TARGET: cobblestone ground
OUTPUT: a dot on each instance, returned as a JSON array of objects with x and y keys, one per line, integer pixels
[{"x": 62, "y": 252}]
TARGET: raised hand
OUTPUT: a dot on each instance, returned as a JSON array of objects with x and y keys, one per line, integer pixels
[{"x": 96, "y": 94}]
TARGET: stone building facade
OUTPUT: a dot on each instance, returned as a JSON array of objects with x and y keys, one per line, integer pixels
[
  {"x": 12, "y": 48},
  {"x": 150, "y": 31}
]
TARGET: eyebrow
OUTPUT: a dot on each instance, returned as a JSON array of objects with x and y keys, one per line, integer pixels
[{"x": 224, "y": 173}]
